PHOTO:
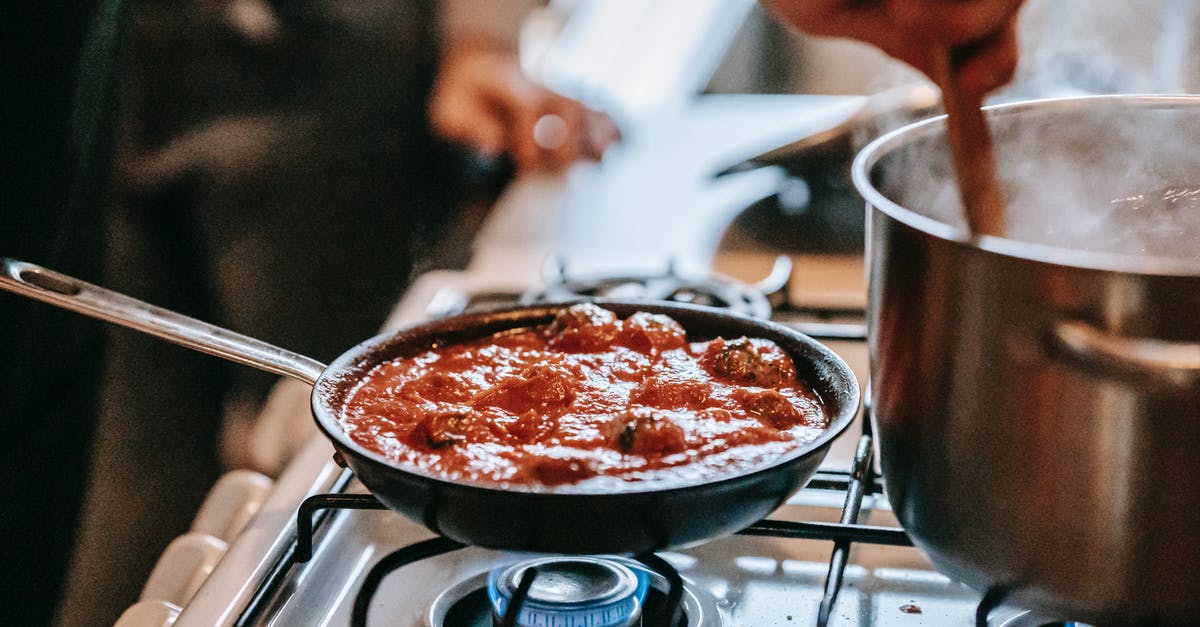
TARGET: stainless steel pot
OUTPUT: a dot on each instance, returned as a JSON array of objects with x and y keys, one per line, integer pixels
[{"x": 1037, "y": 399}]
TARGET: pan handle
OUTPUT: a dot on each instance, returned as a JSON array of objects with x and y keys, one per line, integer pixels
[
  {"x": 1112, "y": 352},
  {"x": 63, "y": 291}
]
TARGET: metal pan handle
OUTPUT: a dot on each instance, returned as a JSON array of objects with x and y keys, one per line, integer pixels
[
  {"x": 63, "y": 291},
  {"x": 1112, "y": 352}
]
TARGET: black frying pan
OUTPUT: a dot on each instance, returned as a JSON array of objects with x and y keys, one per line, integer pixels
[{"x": 558, "y": 519}]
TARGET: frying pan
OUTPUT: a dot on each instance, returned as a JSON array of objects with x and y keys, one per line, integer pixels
[{"x": 558, "y": 519}]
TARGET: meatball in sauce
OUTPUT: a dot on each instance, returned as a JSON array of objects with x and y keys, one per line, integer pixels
[{"x": 587, "y": 399}]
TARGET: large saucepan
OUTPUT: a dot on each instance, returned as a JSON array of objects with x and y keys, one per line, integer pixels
[
  {"x": 561, "y": 519},
  {"x": 1037, "y": 398}
]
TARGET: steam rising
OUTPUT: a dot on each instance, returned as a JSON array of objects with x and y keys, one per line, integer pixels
[
  {"x": 1104, "y": 176},
  {"x": 1109, "y": 178},
  {"x": 1076, "y": 47}
]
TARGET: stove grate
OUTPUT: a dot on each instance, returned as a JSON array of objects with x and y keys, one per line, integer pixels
[
  {"x": 393, "y": 561},
  {"x": 859, "y": 482},
  {"x": 672, "y": 610}
]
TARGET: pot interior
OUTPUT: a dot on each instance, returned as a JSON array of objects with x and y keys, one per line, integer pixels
[{"x": 1110, "y": 182}]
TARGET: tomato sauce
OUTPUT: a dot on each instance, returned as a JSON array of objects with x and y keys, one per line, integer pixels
[{"x": 587, "y": 399}]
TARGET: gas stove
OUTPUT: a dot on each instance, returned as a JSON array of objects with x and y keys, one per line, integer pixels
[
  {"x": 649, "y": 222},
  {"x": 322, "y": 551}
]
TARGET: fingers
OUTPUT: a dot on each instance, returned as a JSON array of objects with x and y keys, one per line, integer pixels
[
  {"x": 600, "y": 132},
  {"x": 984, "y": 31},
  {"x": 547, "y": 131},
  {"x": 953, "y": 22},
  {"x": 983, "y": 66},
  {"x": 990, "y": 63},
  {"x": 869, "y": 21},
  {"x": 567, "y": 131},
  {"x": 560, "y": 134},
  {"x": 475, "y": 122},
  {"x": 521, "y": 111},
  {"x": 483, "y": 100}
]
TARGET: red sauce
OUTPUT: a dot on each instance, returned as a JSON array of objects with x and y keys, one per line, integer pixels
[{"x": 587, "y": 399}]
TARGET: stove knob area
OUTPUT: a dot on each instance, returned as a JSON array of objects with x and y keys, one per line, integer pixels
[
  {"x": 182, "y": 568},
  {"x": 233, "y": 500},
  {"x": 149, "y": 614},
  {"x": 187, "y": 562},
  {"x": 564, "y": 590}
]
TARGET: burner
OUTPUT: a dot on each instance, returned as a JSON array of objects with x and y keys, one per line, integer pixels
[
  {"x": 714, "y": 291},
  {"x": 568, "y": 582},
  {"x": 569, "y": 591}
]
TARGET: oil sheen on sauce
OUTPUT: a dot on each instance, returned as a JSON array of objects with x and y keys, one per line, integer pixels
[{"x": 589, "y": 400}]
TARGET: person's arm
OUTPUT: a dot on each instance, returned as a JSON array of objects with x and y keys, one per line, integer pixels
[{"x": 983, "y": 31}]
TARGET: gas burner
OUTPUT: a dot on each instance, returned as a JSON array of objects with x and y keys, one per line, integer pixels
[
  {"x": 569, "y": 590},
  {"x": 711, "y": 291},
  {"x": 606, "y": 591}
]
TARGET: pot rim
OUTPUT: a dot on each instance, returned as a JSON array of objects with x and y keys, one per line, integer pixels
[
  {"x": 327, "y": 415},
  {"x": 866, "y": 160}
]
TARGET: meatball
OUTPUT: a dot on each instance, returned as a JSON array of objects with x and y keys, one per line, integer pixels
[
  {"x": 537, "y": 387},
  {"x": 556, "y": 470},
  {"x": 651, "y": 333},
  {"x": 445, "y": 387},
  {"x": 671, "y": 392},
  {"x": 771, "y": 407},
  {"x": 447, "y": 428},
  {"x": 583, "y": 328},
  {"x": 642, "y": 432},
  {"x": 532, "y": 426},
  {"x": 754, "y": 361}
]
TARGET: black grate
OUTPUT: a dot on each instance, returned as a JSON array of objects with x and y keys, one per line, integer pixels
[{"x": 857, "y": 483}]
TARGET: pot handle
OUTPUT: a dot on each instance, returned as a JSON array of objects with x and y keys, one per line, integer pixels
[
  {"x": 63, "y": 291},
  {"x": 1142, "y": 355}
]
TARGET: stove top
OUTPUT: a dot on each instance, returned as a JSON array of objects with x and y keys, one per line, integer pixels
[
  {"x": 833, "y": 555},
  {"x": 834, "y": 551}
]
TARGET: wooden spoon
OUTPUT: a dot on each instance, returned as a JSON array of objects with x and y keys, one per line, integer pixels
[{"x": 971, "y": 149}]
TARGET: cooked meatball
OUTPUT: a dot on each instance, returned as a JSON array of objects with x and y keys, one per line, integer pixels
[
  {"x": 671, "y": 392},
  {"x": 447, "y": 387},
  {"x": 643, "y": 432},
  {"x": 537, "y": 387},
  {"x": 445, "y": 428},
  {"x": 532, "y": 427},
  {"x": 583, "y": 328},
  {"x": 771, "y": 407},
  {"x": 755, "y": 361},
  {"x": 556, "y": 470},
  {"x": 646, "y": 333}
]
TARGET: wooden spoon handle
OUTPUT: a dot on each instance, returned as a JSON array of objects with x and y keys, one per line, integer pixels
[{"x": 971, "y": 149}]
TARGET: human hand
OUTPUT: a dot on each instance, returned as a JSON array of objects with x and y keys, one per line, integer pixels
[
  {"x": 981, "y": 32},
  {"x": 482, "y": 99}
]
